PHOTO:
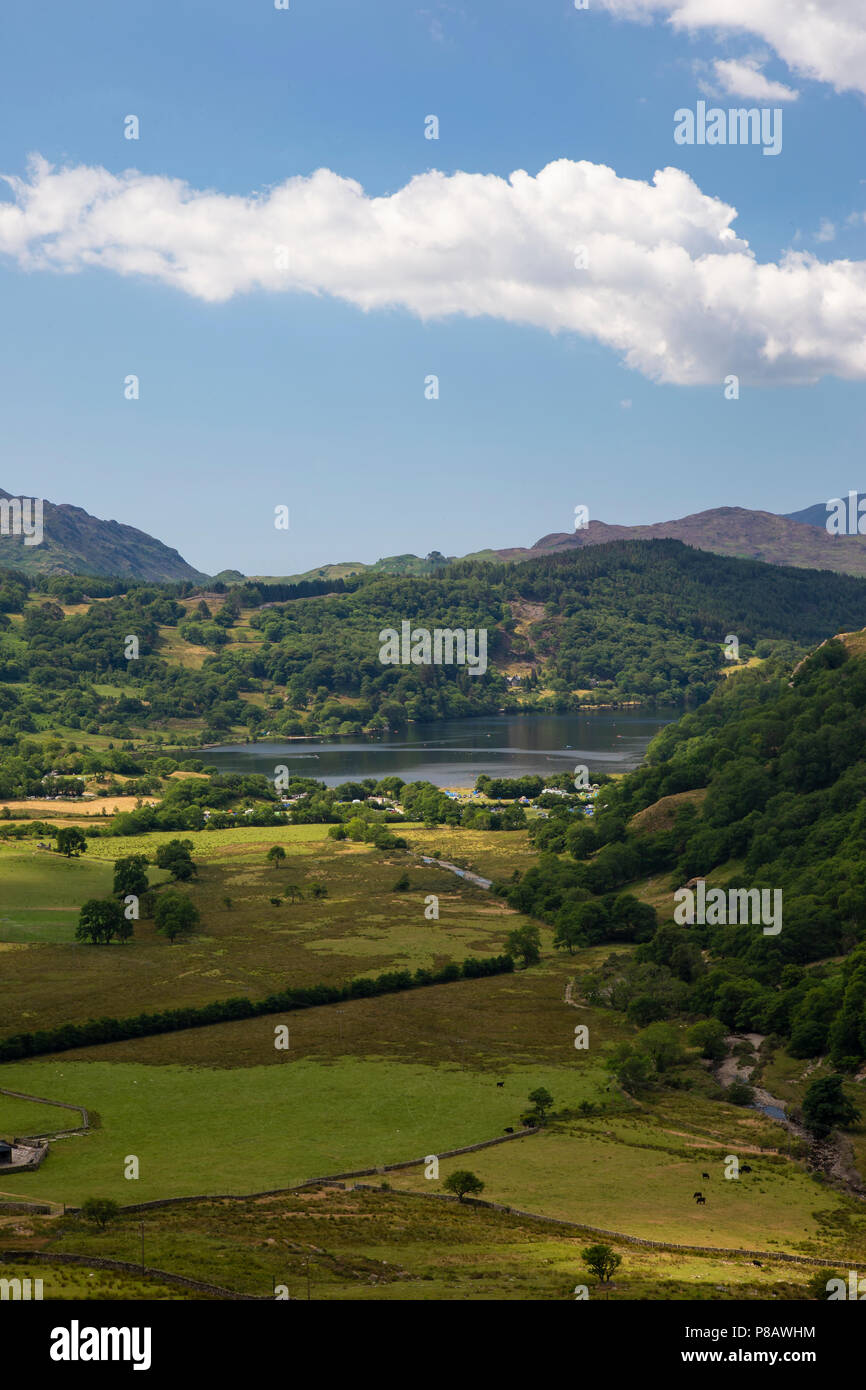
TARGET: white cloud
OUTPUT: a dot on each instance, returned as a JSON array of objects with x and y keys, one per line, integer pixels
[
  {"x": 666, "y": 281},
  {"x": 821, "y": 39},
  {"x": 742, "y": 77},
  {"x": 826, "y": 231}
]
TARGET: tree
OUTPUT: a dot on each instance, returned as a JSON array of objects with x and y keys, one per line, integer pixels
[
  {"x": 99, "y": 920},
  {"x": 175, "y": 915},
  {"x": 175, "y": 856},
  {"x": 276, "y": 854},
  {"x": 709, "y": 1036},
  {"x": 125, "y": 929},
  {"x": 293, "y": 891},
  {"x": 541, "y": 1099},
  {"x": 632, "y": 1069},
  {"x": 660, "y": 1042},
  {"x": 71, "y": 841},
  {"x": 602, "y": 1261},
  {"x": 525, "y": 944},
  {"x": 318, "y": 890},
  {"x": 100, "y": 1210},
  {"x": 130, "y": 875},
  {"x": 825, "y": 1106},
  {"x": 463, "y": 1183},
  {"x": 568, "y": 934}
]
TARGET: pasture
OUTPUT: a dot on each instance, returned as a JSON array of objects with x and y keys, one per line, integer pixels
[
  {"x": 375, "y": 1081},
  {"x": 250, "y": 1129},
  {"x": 245, "y": 944},
  {"x": 378, "y": 1245},
  {"x": 41, "y": 892},
  {"x": 624, "y": 1179},
  {"x": 61, "y": 1283}
]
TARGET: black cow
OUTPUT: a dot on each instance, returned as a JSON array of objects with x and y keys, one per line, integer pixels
[
  {"x": 705, "y": 1175},
  {"x": 500, "y": 1083},
  {"x": 509, "y": 1131},
  {"x": 745, "y": 1168},
  {"x": 702, "y": 1201},
  {"x": 695, "y": 1195}
]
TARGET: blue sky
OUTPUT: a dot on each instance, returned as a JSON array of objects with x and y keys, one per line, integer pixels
[{"x": 272, "y": 395}]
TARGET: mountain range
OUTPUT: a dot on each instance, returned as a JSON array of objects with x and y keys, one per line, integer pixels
[{"x": 77, "y": 543}]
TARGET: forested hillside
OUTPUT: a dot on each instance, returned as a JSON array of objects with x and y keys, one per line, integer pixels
[
  {"x": 780, "y": 762},
  {"x": 642, "y": 621}
]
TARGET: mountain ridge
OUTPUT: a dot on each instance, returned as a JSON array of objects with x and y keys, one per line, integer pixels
[{"x": 76, "y": 542}]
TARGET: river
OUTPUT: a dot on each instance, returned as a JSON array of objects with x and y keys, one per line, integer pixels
[{"x": 454, "y": 752}]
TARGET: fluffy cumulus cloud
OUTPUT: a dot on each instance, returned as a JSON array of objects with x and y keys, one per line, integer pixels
[
  {"x": 821, "y": 39},
  {"x": 653, "y": 270}
]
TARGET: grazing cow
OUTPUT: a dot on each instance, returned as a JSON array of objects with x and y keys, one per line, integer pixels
[
  {"x": 705, "y": 1175},
  {"x": 702, "y": 1201},
  {"x": 509, "y": 1131},
  {"x": 500, "y": 1083},
  {"x": 695, "y": 1195},
  {"x": 745, "y": 1168},
  {"x": 758, "y": 1263}
]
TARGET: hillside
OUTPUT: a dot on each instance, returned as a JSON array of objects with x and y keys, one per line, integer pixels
[
  {"x": 734, "y": 531},
  {"x": 762, "y": 787},
  {"x": 816, "y": 515},
  {"x": 77, "y": 543},
  {"x": 631, "y": 621},
  {"x": 406, "y": 1037},
  {"x": 798, "y": 539}
]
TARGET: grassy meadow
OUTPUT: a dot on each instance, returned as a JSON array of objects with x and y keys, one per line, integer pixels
[
  {"x": 222, "y": 1110},
  {"x": 379, "y": 1245},
  {"x": 245, "y": 943}
]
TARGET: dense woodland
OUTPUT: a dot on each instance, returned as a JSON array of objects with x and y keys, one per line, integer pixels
[
  {"x": 782, "y": 760},
  {"x": 632, "y": 621}
]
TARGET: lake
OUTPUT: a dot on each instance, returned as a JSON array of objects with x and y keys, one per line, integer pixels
[{"x": 453, "y": 752}]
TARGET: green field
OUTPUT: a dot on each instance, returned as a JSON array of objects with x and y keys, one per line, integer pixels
[
  {"x": 40, "y": 893},
  {"x": 371, "y": 1082},
  {"x": 246, "y": 1130},
  {"x": 63, "y": 1282},
  {"x": 611, "y": 1176},
  {"x": 246, "y": 946},
  {"x": 375, "y": 1245},
  {"x": 30, "y": 1117},
  {"x": 245, "y": 840}
]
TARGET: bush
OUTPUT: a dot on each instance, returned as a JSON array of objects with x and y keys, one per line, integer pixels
[{"x": 740, "y": 1093}]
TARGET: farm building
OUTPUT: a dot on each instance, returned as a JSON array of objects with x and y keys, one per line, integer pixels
[{"x": 5, "y": 1152}]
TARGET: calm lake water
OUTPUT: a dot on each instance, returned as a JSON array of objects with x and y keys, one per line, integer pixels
[{"x": 456, "y": 751}]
